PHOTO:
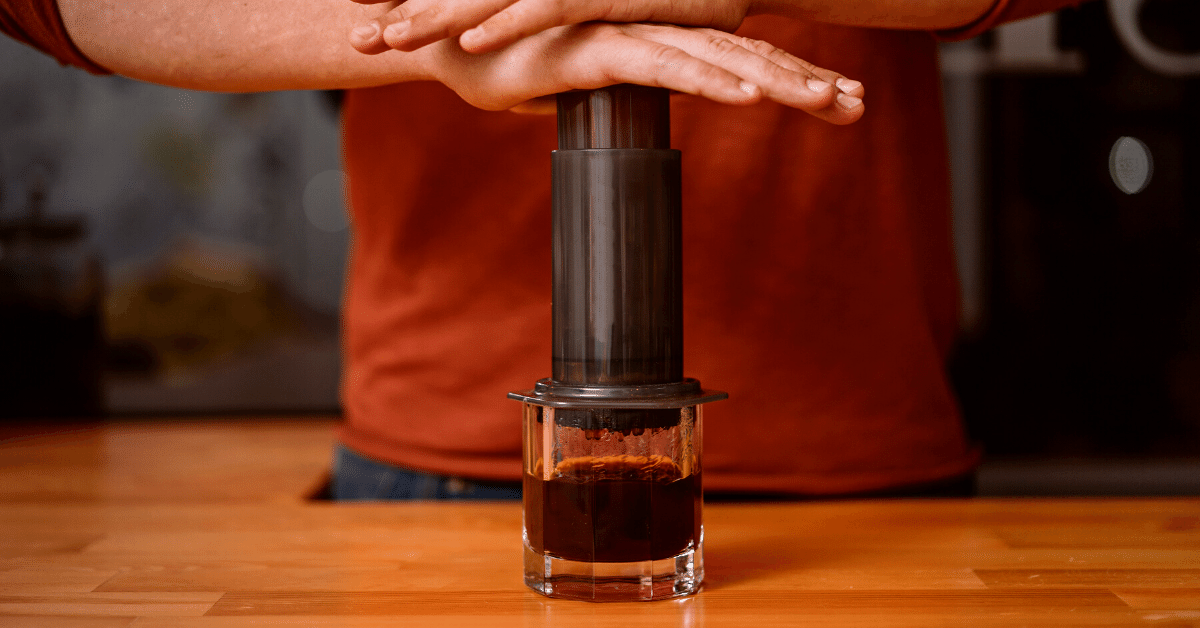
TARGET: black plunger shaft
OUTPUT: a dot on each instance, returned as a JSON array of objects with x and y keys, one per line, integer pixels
[{"x": 617, "y": 281}]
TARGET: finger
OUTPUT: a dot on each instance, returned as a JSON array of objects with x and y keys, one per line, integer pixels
[
  {"x": 783, "y": 58},
  {"x": 847, "y": 106},
  {"x": 630, "y": 59},
  {"x": 367, "y": 37},
  {"x": 524, "y": 18},
  {"x": 422, "y": 25},
  {"x": 370, "y": 37},
  {"x": 789, "y": 81}
]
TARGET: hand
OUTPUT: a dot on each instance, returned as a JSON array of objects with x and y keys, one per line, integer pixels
[
  {"x": 487, "y": 25},
  {"x": 705, "y": 62}
]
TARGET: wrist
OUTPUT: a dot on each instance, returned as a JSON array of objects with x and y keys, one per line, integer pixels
[{"x": 422, "y": 66}]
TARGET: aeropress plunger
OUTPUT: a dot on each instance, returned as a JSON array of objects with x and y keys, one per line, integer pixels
[{"x": 612, "y": 438}]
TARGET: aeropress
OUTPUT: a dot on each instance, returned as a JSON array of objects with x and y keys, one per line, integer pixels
[{"x": 612, "y": 491}]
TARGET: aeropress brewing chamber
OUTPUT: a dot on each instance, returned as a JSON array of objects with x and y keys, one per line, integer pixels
[{"x": 612, "y": 439}]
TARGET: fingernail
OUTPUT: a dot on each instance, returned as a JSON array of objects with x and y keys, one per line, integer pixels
[
  {"x": 847, "y": 101},
  {"x": 366, "y": 32},
  {"x": 847, "y": 85},
  {"x": 397, "y": 30},
  {"x": 470, "y": 37},
  {"x": 818, "y": 86},
  {"x": 749, "y": 88}
]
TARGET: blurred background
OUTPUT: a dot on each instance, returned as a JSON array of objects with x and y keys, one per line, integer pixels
[{"x": 165, "y": 252}]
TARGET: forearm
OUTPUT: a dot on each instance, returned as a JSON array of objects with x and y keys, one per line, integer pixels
[
  {"x": 231, "y": 45},
  {"x": 900, "y": 14},
  {"x": 228, "y": 45}
]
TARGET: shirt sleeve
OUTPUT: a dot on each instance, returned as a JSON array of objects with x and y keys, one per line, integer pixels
[
  {"x": 1005, "y": 11},
  {"x": 39, "y": 24}
]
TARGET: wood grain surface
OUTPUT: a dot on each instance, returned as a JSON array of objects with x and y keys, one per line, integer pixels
[{"x": 205, "y": 524}]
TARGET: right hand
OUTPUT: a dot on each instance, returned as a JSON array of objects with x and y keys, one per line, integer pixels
[
  {"x": 704, "y": 62},
  {"x": 487, "y": 25}
]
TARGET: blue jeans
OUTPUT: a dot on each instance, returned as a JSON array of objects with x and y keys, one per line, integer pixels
[{"x": 356, "y": 477}]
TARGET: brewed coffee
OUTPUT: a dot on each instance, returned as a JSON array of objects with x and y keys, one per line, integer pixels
[{"x": 613, "y": 509}]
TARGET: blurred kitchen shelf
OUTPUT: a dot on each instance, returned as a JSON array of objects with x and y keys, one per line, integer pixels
[
  {"x": 1088, "y": 477},
  {"x": 292, "y": 375}
]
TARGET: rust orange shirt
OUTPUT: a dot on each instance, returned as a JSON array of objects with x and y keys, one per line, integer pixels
[{"x": 819, "y": 286}]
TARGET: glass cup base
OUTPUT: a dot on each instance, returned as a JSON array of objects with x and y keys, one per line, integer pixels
[{"x": 645, "y": 580}]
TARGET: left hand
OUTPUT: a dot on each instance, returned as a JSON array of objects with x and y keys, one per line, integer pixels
[
  {"x": 713, "y": 64},
  {"x": 486, "y": 25}
]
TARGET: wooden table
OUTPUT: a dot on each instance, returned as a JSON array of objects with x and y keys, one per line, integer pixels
[{"x": 205, "y": 524}]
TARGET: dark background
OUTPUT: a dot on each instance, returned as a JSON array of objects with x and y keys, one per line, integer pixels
[{"x": 1091, "y": 340}]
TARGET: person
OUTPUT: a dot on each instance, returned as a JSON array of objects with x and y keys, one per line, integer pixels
[{"x": 819, "y": 276}]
